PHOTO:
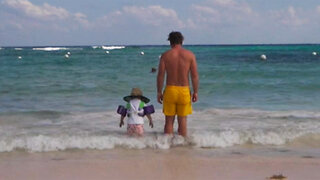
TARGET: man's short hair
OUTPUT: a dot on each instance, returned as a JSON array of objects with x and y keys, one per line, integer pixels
[{"x": 175, "y": 37}]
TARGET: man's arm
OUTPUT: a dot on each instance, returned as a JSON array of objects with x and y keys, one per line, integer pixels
[
  {"x": 160, "y": 79},
  {"x": 194, "y": 79}
]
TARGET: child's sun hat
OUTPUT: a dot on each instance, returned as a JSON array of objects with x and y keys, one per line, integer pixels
[{"x": 136, "y": 93}]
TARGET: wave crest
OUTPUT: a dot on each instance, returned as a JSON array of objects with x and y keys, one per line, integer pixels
[
  {"x": 50, "y": 49},
  {"x": 42, "y": 143},
  {"x": 228, "y": 138},
  {"x": 112, "y": 47}
]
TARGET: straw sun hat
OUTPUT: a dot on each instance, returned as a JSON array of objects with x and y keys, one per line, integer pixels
[{"x": 136, "y": 93}]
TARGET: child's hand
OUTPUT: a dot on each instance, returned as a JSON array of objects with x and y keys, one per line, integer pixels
[
  {"x": 121, "y": 123},
  {"x": 151, "y": 124}
]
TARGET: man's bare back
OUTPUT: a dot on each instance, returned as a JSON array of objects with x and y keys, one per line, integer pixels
[{"x": 177, "y": 63}]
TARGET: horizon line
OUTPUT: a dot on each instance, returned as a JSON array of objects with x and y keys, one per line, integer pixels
[{"x": 196, "y": 44}]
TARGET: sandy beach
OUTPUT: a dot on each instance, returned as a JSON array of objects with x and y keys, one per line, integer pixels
[{"x": 175, "y": 163}]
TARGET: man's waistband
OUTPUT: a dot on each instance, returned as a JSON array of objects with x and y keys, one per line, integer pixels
[{"x": 177, "y": 87}]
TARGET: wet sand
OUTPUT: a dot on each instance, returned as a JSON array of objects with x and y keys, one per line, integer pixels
[{"x": 178, "y": 163}]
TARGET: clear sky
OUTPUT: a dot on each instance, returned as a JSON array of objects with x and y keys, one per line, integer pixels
[{"x": 148, "y": 22}]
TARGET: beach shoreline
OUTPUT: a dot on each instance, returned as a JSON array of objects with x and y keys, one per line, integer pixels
[{"x": 176, "y": 163}]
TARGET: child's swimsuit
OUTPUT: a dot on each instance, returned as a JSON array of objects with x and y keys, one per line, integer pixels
[
  {"x": 177, "y": 101},
  {"x": 135, "y": 129},
  {"x": 135, "y": 120}
]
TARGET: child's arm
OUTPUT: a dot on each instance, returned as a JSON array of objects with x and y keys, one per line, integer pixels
[
  {"x": 121, "y": 121},
  {"x": 150, "y": 120}
]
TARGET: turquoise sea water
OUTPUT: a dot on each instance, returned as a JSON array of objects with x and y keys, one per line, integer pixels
[
  {"x": 90, "y": 80},
  {"x": 43, "y": 93}
]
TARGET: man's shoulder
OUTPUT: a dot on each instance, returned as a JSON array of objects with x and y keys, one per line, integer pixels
[
  {"x": 167, "y": 52},
  {"x": 188, "y": 53},
  {"x": 183, "y": 51}
]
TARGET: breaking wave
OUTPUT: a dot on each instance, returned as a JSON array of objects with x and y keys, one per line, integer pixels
[
  {"x": 50, "y": 49},
  {"x": 211, "y": 128},
  {"x": 112, "y": 47},
  {"x": 43, "y": 143}
]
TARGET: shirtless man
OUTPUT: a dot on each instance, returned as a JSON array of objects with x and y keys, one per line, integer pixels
[{"x": 177, "y": 63}]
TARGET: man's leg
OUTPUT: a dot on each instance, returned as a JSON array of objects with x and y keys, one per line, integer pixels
[
  {"x": 182, "y": 125},
  {"x": 168, "y": 127}
]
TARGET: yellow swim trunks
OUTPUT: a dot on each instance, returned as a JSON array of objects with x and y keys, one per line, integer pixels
[{"x": 177, "y": 101}]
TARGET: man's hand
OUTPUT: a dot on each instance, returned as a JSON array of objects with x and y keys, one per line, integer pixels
[
  {"x": 194, "y": 97},
  {"x": 160, "y": 97}
]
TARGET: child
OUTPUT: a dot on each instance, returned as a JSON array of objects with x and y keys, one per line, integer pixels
[{"x": 135, "y": 110}]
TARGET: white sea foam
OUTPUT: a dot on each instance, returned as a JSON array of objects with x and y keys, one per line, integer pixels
[
  {"x": 18, "y": 49},
  {"x": 231, "y": 138},
  {"x": 264, "y": 114},
  {"x": 44, "y": 143},
  {"x": 210, "y": 128},
  {"x": 95, "y": 47},
  {"x": 112, "y": 47},
  {"x": 50, "y": 49}
]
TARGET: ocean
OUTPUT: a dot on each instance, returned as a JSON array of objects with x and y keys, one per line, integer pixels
[{"x": 65, "y": 98}]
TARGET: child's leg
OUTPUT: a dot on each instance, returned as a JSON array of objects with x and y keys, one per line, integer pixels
[{"x": 130, "y": 129}]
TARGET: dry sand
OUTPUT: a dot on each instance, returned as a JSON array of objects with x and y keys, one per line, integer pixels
[{"x": 178, "y": 163}]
